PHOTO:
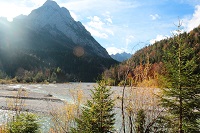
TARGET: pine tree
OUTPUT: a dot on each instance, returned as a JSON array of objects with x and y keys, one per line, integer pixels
[
  {"x": 97, "y": 115},
  {"x": 182, "y": 94},
  {"x": 140, "y": 121}
]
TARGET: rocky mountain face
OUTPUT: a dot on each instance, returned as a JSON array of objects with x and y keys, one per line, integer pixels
[
  {"x": 58, "y": 22},
  {"x": 121, "y": 56},
  {"x": 48, "y": 38}
]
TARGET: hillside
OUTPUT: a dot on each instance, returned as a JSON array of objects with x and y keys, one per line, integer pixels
[
  {"x": 148, "y": 62},
  {"x": 38, "y": 44}
]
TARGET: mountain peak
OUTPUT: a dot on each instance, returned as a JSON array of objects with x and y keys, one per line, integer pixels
[
  {"x": 121, "y": 56},
  {"x": 58, "y": 22},
  {"x": 51, "y": 3}
]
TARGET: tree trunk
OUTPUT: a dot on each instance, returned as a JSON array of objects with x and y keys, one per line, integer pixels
[
  {"x": 123, "y": 114},
  {"x": 180, "y": 93}
]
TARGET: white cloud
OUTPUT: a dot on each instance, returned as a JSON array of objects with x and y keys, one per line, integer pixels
[
  {"x": 158, "y": 38},
  {"x": 129, "y": 39},
  {"x": 13, "y": 8},
  {"x": 194, "y": 21},
  {"x": 114, "y": 50},
  {"x": 95, "y": 23},
  {"x": 176, "y": 32},
  {"x": 74, "y": 16},
  {"x": 98, "y": 28},
  {"x": 96, "y": 33},
  {"x": 109, "y": 20},
  {"x": 155, "y": 16}
]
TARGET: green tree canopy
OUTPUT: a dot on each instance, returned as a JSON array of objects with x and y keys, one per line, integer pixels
[
  {"x": 181, "y": 96},
  {"x": 24, "y": 123},
  {"x": 97, "y": 115}
]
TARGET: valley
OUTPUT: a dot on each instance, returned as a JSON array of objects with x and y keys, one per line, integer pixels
[{"x": 56, "y": 73}]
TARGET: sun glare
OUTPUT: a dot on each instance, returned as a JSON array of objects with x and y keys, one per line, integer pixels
[
  {"x": 10, "y": 19},
  {"x": 10, "y": 11}
]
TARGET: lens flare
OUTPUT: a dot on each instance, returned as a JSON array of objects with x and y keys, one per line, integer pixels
[{"x": 79, "y": 51}]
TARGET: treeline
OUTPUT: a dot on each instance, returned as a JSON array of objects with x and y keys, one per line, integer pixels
[
  {"x": 173, "y": 108},
  {"x": 23, "y": 47},
  {"x": 36, "y": 76},
  {"x": 86, "y": 68},
  {"x": 147, "y": 63}
]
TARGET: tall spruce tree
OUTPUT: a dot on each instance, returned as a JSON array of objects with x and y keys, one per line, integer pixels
[
  {"x": 140, "y": 121},
  {"x": 181, "y": 96},
  {"x": 97, "y": 115}
]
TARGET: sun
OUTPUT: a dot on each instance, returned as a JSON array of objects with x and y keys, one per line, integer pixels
[
  {"x": 10, "y": 19},
  {"x": 8, "y": 11},
  {"x": 12, "y": 10}
]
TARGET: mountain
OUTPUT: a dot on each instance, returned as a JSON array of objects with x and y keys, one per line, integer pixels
[
  {"x": 58, "y": 22},
  {"x": 49, "y": 38},
  {"x": 148, "y": 62},
  {"x": 121, "y": 56}
]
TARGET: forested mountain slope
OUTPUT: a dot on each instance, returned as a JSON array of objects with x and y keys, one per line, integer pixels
[
  {"x": 148, "y": 62},
  {"x": 47, "y": 39}
]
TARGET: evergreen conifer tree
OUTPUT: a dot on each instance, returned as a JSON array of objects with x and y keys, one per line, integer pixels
[
  {"x": 140, "y": 121},
  {"x": 97, "y": 115},
  {"x": 181, "y": 96}
]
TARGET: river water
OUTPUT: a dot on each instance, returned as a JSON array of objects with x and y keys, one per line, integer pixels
[{"x": 66, "y": 93}]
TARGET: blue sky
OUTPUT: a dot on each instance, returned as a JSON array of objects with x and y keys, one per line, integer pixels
[{"x": 120, "y": 25}]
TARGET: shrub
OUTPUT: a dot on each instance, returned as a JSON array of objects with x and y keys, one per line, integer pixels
[{"x": 24, "y": 123}]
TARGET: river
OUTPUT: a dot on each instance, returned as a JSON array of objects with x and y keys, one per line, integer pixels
[{"x": 42, "y": 98}]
